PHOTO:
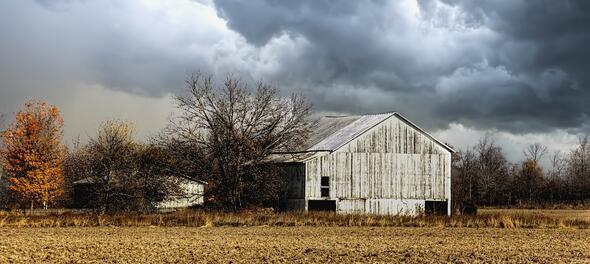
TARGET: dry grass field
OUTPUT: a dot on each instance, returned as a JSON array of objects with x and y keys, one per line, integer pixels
[
  {"x": 487, "y": 218},
  {"x": 292, "y": 244},
  {"x": 563, "y": 214}
]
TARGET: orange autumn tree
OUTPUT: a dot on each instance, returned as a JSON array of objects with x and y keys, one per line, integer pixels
[{"x": 32, "y": 153}]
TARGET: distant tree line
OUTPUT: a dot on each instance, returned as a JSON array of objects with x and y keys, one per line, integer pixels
[
  {"x": 482, "y": 176},
  {"x": 222, "y": 134}
]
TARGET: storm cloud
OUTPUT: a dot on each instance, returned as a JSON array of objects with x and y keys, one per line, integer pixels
[
  {"x": 517, "y": 68},
  {"x": 513, "y": 65}
]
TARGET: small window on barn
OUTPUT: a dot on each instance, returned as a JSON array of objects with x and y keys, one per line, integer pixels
[
  {"x": 325, "y": 181},
  {"x": 325, "y": 186}
]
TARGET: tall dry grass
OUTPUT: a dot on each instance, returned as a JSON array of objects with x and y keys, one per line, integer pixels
[
  {"x": 198, "y": 218},
  {"x": 577, "y": 205}
]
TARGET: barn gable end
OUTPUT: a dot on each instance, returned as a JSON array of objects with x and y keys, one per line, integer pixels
[{"x": 394, "y": 134}]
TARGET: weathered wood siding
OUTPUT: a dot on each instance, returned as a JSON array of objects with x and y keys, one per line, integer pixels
[
  {"x": 393, "y": 136},
  {"x": 390, "y": 162},
  {"x": 378, "y": 175}
]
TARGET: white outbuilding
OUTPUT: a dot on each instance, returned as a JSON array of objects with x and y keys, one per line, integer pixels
[{"x": 193, "y": 195}]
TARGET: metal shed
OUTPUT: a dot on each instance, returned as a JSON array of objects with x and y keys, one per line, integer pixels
[{"x": 375, "y": 164}]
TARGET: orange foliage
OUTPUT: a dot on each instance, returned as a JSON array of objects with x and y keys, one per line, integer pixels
[{"x": 32, "y": 153}]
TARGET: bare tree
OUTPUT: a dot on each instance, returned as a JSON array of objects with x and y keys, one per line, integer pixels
[
  {"x": 579, "y": 170},
  {"x": 227, "y": 131},
  {"x": 528, "y": 181},
  {"x": 492, "y": 172},
  {"x": 535, "y": 152},
  {"x": 557, "y": 165},
  {"x": 554, "y": 189},
  {"x": 464, "y": 177}
]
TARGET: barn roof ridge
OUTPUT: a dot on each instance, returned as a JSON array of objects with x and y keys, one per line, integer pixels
[{"x": 359, "y": 115}]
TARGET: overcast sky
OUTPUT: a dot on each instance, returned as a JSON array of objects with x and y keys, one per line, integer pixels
[{"x": 516, "y": 70}]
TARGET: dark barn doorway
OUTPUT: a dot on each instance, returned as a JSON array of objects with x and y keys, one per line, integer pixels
[
  {"x": 435, "y": 208},
  {"x": 321, "y": 205}
]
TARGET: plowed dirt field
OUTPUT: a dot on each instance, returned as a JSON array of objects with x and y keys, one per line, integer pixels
[{"x": 291, "y": 244}]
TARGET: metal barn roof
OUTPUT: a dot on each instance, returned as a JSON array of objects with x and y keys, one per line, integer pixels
[{"x": 333, "y": 132}]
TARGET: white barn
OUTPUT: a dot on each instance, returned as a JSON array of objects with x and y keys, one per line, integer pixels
[
  {"x": 194, "y": 192},
  {"x": 375, "y": 164}
]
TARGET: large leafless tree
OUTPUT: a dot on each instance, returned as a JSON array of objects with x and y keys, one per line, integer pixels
[
  {"x": 224, "y": 132},
  {"x": 492, "y": 171},
  {"x": 535, "y": 152}
]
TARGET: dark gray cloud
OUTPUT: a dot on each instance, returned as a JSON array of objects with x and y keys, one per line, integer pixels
[
  {"x": 513, "y": 65},
  {"x": 543, "y": 44}
]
